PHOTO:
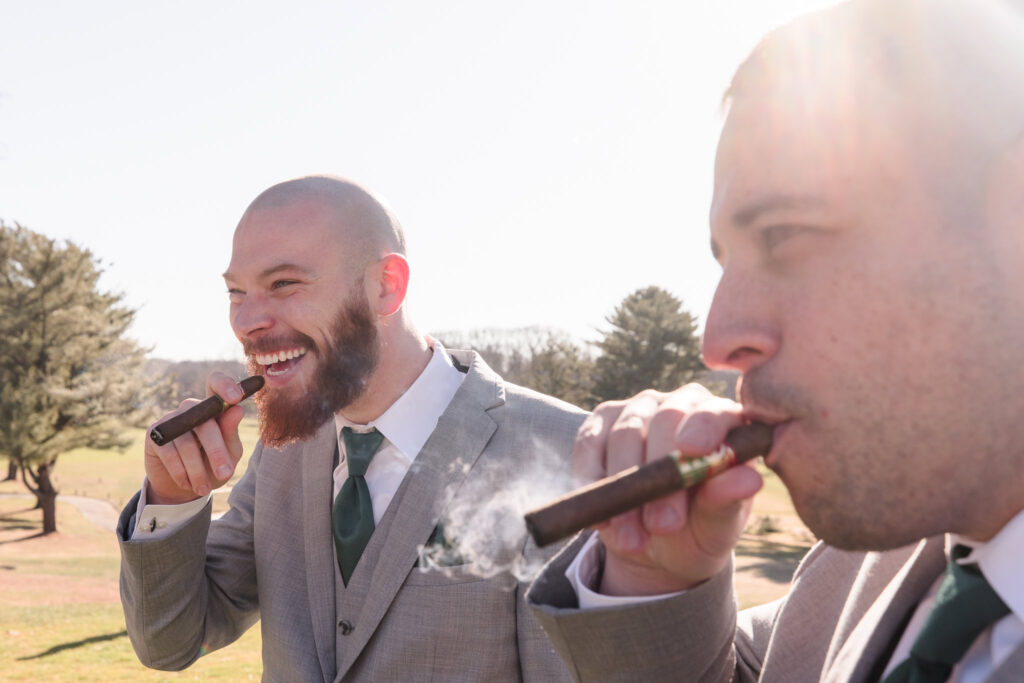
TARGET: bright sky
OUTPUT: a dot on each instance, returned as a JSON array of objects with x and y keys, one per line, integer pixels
[{"x": 546, "y": 158}]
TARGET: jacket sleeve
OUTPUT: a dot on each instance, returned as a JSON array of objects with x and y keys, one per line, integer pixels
[
  {"x": 194, "y": 591},
  {"x": 691, "y": 636},
  {"x": 538, "y": 659}
]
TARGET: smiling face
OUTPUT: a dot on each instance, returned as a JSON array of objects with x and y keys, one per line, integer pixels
[
  {"x": 876, "y": 327},
  {"x": 299, "y": 307}
]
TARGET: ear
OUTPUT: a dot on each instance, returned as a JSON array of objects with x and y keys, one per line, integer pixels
[{"x": 392, "y": 275}]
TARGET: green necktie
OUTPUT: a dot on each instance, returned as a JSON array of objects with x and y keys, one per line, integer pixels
[
  {"x": 353, "y": 509},
  {"x": 964, "y": 606}
]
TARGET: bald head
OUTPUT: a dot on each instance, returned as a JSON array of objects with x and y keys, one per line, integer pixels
[
  {"x": 367, "y": 228},
  {"x": 945, "y": 74}
]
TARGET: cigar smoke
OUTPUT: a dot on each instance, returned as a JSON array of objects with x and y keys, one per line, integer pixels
[{"x": 482, "y": 532}]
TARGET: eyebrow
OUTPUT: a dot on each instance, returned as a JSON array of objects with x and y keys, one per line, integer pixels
[
  {"x": 775, "y": 202},
  {"x": 273, "y": 270}
]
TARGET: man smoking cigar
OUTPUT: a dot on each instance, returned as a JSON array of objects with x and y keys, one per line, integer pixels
[
  {"x": 867, "y": 216},
  {"x": 370, "y": 432}
]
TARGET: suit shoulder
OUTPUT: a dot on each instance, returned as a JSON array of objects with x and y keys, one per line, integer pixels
[{"x": 521, "y": 398}]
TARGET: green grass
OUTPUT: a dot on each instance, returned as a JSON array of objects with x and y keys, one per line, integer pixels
[
  {"x": 60, "y": 616},
  {"x": 116, "y": 476}
]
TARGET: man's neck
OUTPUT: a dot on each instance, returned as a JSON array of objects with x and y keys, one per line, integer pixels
[{"x": 403, "y": 358}]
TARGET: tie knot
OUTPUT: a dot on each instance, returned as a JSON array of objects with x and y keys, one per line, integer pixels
[
  {"x": 359, "y": 449},
  {"x": 964, "y": 606}
]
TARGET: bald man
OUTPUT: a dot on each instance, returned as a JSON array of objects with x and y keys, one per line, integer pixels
[{"x": 317, "y": 282}]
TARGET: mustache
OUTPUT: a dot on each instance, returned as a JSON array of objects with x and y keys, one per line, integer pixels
[{"x": 760, "y": 393}]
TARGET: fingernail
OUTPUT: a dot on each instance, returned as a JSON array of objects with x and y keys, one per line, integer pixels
[
  {"x": 665, "y": 516},
  {"x": 235, "y": 393},
  {"x": 223, "y": 471},
  {"x": 202, "y": 490}
]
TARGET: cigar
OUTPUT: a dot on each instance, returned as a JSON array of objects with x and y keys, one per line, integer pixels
[
  {"x": 635, "y": 486},
  {"x": 209, "y": 408}
]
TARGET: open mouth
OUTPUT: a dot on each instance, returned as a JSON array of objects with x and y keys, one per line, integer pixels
[{"x": 279, "y": 362}]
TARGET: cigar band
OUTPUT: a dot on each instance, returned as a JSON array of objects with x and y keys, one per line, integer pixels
[{"x": 693, "y": 471}]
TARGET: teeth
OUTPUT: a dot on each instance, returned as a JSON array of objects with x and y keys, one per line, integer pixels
[{"x": 278, "y": 356}]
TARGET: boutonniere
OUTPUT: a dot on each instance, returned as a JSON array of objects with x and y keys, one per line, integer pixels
[{"x": 440, "y": 550}]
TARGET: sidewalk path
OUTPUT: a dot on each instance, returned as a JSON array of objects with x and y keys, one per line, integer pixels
[{"x": 100, "y": 512}]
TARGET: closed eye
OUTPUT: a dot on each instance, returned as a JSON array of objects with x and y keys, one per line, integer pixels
[{"x": 774, "y": 235}]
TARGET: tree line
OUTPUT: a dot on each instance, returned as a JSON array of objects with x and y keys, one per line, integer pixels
[{"x": 71, "y": 378}]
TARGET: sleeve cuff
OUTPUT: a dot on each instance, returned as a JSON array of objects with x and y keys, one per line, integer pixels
[
  {"x": 584, "y": 572},
  {"x": 154, "y": 522}
]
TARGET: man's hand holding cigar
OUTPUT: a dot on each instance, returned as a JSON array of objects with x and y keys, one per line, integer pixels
[
  {"x": 678, "y": 541},
  {"x": 201, "y": 459}
]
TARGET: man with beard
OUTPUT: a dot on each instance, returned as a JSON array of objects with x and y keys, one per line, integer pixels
[
  {"x": 867, "y": 216},
  {"x": 359, "y": 575}
]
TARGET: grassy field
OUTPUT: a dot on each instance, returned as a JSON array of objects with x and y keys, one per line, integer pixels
[
  {"x": 116, "y": 476},
  {"x": 60, "y": 614}
]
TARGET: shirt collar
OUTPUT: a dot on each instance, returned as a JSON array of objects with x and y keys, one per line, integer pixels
[
  {"x": 1002, "y": 562},
  {"x": 410, "y": 420}
]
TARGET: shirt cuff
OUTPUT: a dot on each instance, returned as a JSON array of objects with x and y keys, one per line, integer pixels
[
  {"x": 154, "y": 522},
  {"x": 583, "y": 575}
]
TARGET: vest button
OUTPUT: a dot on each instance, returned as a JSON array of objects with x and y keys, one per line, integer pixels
[{"x": 345, "y": 626}]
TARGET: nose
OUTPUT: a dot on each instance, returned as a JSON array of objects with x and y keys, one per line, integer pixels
[
  {"x": 250, "y": 315},
  {"x": 741, "y": 331}
]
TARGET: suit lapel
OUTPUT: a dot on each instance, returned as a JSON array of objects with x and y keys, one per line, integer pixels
[
  {"x": 876, "y": 632},
  {"x": 461, "y": 435},
  {"x": 317, "y": 457}
]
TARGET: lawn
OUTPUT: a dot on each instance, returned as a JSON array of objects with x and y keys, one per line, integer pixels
[
  {"x": 60, "y": 615},
  {"x": 116, "y": 476}
]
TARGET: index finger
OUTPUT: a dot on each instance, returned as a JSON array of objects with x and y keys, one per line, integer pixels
[
  {"x": 693, "y": 421},
  {"x": 222, "y": 450},
  {"x": 224, "y": 386},
  {"x": 588, "y": 450}
]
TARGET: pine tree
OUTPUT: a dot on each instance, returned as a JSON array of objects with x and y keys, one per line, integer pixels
[
  {"x": 69, "y": 378},
  {"x": 561, "y": 369},
  {"x": 652, "y": 345}
]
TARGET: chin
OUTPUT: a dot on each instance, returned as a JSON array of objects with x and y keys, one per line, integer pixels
[{"x": 874, "y": 531}]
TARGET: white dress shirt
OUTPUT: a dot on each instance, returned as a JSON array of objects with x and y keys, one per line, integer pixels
[
  {"x": 406, "y": 426},
  {"x": 1000, "y": 560}
]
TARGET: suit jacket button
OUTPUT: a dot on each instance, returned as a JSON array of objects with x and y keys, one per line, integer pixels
[{"x": 345, "y": 626}]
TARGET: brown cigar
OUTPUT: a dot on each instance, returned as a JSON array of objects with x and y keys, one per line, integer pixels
[
  {"x": 635, "y": 486},
  {"x": 209, "y": 408}
]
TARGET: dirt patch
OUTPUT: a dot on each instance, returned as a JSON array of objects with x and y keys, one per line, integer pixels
[
  {"x": 21, "y": 588},
  {"x": 766, "y": 557},
  {"x": 74, "y": 566}
]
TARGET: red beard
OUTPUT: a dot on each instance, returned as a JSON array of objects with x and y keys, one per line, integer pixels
[{"x": 342, "y": 373}]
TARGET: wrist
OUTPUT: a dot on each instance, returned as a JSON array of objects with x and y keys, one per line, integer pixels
[
  {"x": 154, "y": 497},
  {"x": 622, "y": 577}
]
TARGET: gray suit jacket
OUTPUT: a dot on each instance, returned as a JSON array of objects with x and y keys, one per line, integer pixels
[
  {"x": 271, "y": 557},
  {"x": 843, "y": 613}
]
